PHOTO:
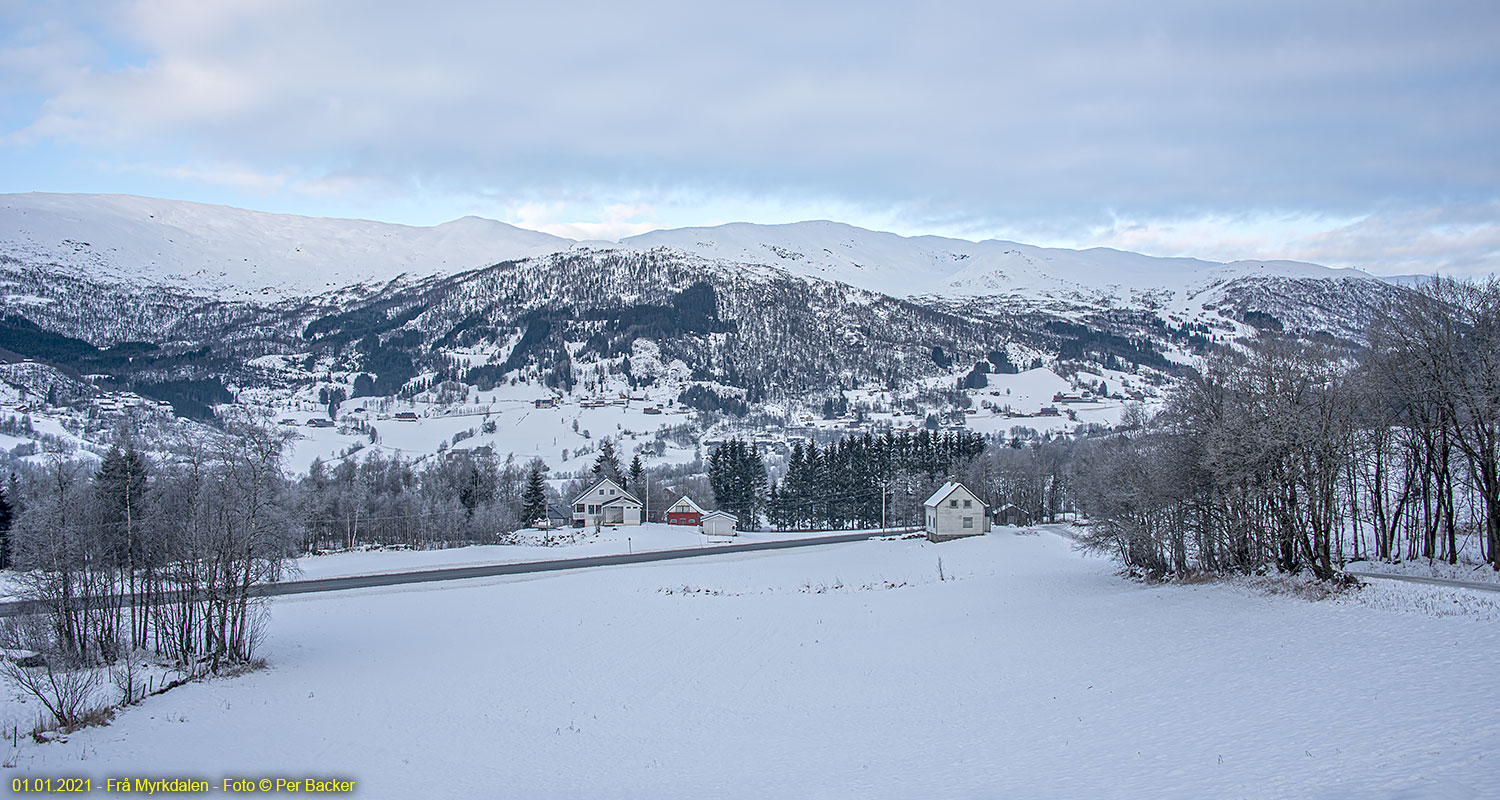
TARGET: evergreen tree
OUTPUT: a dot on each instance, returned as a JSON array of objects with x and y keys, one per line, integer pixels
[
  {"x": 607, "y": 465},
  {"x": 794, "y": 489},
  {"x": 120, "y": 485},
  {"x": 737, "y": 475},
  {"x": 978, "y": 378},
  {"x": 777, "y": 511},
  {"x": 842, "y": 485},
  {"x": 6, "y": 514},
  {"x": 814, "y": 500},
  {"x": 534, "y": 496},
  {"x": 637, "y": 476}
]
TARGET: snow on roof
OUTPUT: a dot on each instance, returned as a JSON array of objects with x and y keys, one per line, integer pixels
[
  {"x": 600, "y": 482},
  {"x": 946, "y": 489},
  {"x": 689, "y": 501},
  {"x": 712, "y": 514}
]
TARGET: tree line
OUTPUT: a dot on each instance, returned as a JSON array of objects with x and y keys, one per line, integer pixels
[
  {"x": 151, "y": 552},
  {"x": 842, "y": 485},
  {"x": 185, "y": 535},
  {"x": 1291, "y": 455}
]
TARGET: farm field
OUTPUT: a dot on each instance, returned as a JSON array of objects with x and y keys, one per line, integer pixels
[{"x": 1004, "y": 665}]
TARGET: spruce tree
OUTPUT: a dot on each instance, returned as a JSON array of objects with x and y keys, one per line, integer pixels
[
  {"x": 813, "y": 496},
  {"x": 737, "y": 475},
  {"x": 793, "y": 495},
  {"x": 120, "y": 485},
  {"x": 6, "y": 513},
  {"x": 637, "y": 476},
  {"x": 607, "y": 465},
  {"x": 534, "y": 496}
]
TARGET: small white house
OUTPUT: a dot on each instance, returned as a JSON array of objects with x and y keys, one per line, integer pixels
[
  {"x": 954, "y": 512},
  {"x": 718, "y": 523},
  {"x": 606, "y": 503}
]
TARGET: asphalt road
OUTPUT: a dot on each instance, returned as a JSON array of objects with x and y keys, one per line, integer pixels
[
  {"x": 18, "y": 607},
  {"x": 1480, "y": 585}
]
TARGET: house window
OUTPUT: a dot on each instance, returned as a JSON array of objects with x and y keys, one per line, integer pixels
[
  {"x": 953, "y": 504},
  {"x": 578, "y": 508},
  {"x": 968, "y": 504},
  {"x": 968, "y": 522}
]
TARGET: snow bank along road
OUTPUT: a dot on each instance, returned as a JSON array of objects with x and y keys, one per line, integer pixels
[
  {"x": 849, "y": 670},
  {"x": 19, "y": 607},
  {"x": 1484, "y": 587}
]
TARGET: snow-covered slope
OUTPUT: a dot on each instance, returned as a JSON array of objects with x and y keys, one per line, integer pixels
[
  {"x": 933, "y": 265},
  {"x": 232, "y": 252}
]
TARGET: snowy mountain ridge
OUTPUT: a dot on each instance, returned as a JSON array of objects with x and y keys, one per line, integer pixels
[
  {"x": 943, "y": 267},
  {"x": 231, "y": 253},
  {"x": 120, "y": 306}
]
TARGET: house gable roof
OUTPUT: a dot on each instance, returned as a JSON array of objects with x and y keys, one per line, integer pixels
[
  {"x": 946, "y": 489},
  {"x": 689, "y": 501},
  {"x": 601, "y": 482},
  {"x": 725, "y": 514}
]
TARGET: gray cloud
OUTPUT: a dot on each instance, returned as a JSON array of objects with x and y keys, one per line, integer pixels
[{"x": 974, "y": 116}]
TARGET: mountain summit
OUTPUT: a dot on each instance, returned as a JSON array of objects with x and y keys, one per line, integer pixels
[{"x": 229, "y": 252}]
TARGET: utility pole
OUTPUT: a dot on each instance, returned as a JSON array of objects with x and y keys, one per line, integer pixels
[{"x": 882, "y": 508}]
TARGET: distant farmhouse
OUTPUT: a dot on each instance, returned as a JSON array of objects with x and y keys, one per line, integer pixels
[
  {"x": 954, "y": 512},
  {"x": 684, "y": 512},
  {"x": 606, "y": 503}
]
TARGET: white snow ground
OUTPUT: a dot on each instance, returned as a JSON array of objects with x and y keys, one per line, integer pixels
[
  {"x": 573, "y": 543},
  {"x": 849, "y": 671}
]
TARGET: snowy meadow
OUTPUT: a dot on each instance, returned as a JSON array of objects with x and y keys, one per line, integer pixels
[{"x": 1004, "y": 665}]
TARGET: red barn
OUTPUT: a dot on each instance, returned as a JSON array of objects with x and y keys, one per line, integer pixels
[{"x": 684, "y": 512}]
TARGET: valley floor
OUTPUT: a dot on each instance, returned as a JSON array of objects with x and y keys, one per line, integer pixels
[
  {"x": 569, "y": 543},
  {"x": 849, "y": 670}
]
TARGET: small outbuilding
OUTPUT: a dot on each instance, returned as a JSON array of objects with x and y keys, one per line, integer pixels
[
  {"x": 718, "y": 523},
  {"x": 557, "y": 516},
  {"x": 1010, "y": 514},
  {"x": 953, "y": 512},
  {"x": 684, "y": 512}
]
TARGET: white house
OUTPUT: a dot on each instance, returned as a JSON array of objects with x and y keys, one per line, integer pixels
[
  {"x": 953, "y": 512},
  {"x": 605, "y": 503},
  {"x": 718, "y": 523}
]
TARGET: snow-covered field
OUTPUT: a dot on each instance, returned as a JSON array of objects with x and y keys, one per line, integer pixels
[
  {"x": 847, "y": 670},
  {"x": 571, "y": 543},
  {"x": 520, "y": 430}
]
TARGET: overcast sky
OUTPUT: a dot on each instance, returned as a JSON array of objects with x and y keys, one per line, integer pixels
[{"x": 1347, "y": 133}]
